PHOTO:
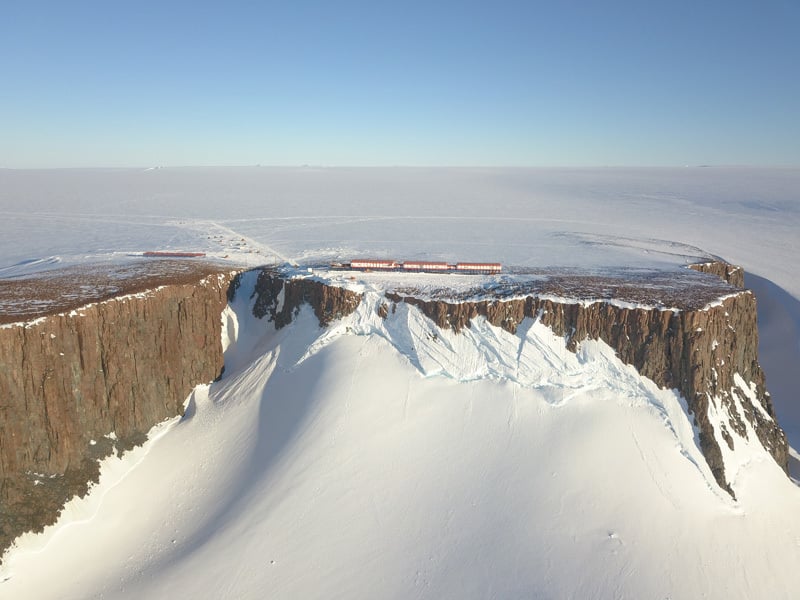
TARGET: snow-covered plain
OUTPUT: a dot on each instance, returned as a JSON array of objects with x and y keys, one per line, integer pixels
[{"x": 389, "y": 459}]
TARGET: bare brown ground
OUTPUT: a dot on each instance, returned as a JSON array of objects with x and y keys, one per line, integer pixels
[
  {"x": 683, "y": 289},
  {"x": 61, "y": 290}
]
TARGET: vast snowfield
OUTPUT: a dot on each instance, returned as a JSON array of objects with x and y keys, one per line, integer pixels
[{"x": 387, "y": 459}]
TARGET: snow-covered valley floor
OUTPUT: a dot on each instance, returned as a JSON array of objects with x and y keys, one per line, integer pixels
[{"x": 388, "y": 459}]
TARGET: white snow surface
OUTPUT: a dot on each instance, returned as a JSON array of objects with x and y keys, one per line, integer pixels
[{"x": 391, "y": 459}]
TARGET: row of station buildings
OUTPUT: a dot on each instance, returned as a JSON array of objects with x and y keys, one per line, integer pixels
[{"x": 370, "y": 264}]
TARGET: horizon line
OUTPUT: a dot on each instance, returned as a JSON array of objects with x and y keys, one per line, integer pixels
[{"x": 392, "y": 166}]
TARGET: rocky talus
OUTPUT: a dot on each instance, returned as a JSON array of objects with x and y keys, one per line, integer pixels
[{"x": 79, "y": 385}]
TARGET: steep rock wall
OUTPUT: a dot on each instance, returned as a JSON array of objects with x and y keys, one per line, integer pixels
[
  {"x": 75, "y": 387},
  {"x": 279, "y": 299},
  {"x": 697, "y": 352},
  {"x": 733, "y": 274},
  {"x": 118, "y": 367}
]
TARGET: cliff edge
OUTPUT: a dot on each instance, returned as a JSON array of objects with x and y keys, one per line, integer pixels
[
  {"x": 693, "y": 331},
  {"x": 87, "y": 374},
  {"x": 80, "y": 384}
]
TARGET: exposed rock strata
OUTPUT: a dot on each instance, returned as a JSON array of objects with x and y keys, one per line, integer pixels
[{"x": 75, "y": 387}]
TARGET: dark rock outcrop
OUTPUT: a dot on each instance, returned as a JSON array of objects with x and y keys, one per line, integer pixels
[
  {"x": 75, "y": 387},
  {"x": 731, "y": 273},
  {"x": 280, "y": 299}
]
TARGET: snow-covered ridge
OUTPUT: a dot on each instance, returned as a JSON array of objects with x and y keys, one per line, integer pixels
[
  {"x": 534, "y": 357},
  {"x": 490, "y": 331}
]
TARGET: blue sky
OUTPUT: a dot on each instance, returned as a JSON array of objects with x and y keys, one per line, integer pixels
[{"x": 399, "y": 83}]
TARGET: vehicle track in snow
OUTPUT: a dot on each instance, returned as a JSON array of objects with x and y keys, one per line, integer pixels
[{"x": 233, "y": 242}]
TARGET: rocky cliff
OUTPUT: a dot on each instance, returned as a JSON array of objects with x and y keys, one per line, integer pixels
[
  {"x": 79, "y": 385},
  {"x": 279, "y": 299},
  {"x": 703, "y": 343},
  {"x": 698, "y": 350},
  {"x": 733, "y": 274}
]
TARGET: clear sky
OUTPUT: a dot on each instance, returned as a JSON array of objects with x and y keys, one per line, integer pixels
[{"x": 567, "y": 83}]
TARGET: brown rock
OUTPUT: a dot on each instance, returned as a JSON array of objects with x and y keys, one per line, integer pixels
[
  {"x": 328, "y": 302},
  {"x": 725, "y": 271},
  {"x": 123, "y": 365},
  {"x": 695, "y": 351},
  {"x": 68, "y": 381}
]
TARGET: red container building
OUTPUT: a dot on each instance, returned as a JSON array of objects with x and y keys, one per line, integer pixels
[
  {"x": 426, "y": 265},
  {"x": 480, "y": 267},
  {"x": 371, "y": 263}
]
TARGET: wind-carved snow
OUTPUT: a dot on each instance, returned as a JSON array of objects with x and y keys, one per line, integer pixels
[
  {"x": 230, "y": 327},
  {"x": 30, "y": 265}
]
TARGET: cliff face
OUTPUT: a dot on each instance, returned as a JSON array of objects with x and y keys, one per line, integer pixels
[
  {"x": 75, "y": 387},
  {"x": 708, "y": 352},
  {"x": 731, "y": 273},
  {"x": 697, "y": 352},
  {"x": 279, "y": 299}
]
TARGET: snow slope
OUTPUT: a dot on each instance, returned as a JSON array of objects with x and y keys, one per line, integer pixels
[{"x": 391, "y": 459}]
